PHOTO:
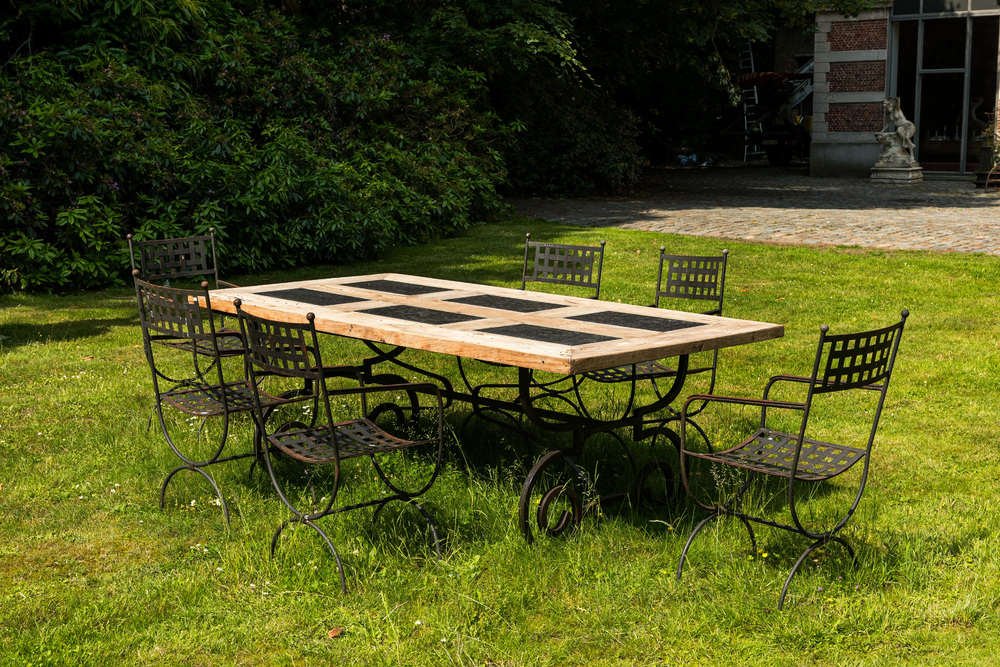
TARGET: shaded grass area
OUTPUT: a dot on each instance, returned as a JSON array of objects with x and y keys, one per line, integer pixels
[{"x": 92, "y": 570}]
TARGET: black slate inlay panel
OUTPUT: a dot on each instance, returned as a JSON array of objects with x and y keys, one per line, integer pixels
[
  {"x": 634, "y": 321},
  {"x": 506, "y": 303},
  {"x": 548, "y": 334},
  {"x": 396, "y": 287},
  {"x": 422, "y": 315},
  {"x": 312, "y": 297}
]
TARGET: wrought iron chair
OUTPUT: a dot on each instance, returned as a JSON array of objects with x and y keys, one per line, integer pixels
[
  {"x": 292, "y": 351},
  {"x": 844, "y": 362},
  {"x": 576, "y": 265},
  {"x": 182, "y": 320}
]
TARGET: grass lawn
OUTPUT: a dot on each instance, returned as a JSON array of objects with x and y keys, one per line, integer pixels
[{"x": 93, "y": 572}]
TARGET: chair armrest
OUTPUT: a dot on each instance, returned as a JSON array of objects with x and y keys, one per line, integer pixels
[
  {"x": 235, "y": 333},
  {"x": 343, "y": 371},
  {"x": 224, "y": 284},
  {"x": 704, "y": 399},
  {"x": 798, "y": 379},
  {"x": 805, "y": 380},
  {"x": 759, "y": 402},
  {"x": 420, "y": 387}
]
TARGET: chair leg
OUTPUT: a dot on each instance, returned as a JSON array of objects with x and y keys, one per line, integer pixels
[
  {"x": 643, "y": 497},
  {"x": 423, "y": 512},
  {"x": 218, "y": 491},
  {"x": 326, "y": 539},
  {"x": 802, "y": 558},
  {"x": 704, "y": 522},
  {"x": 690, "y": 539}
]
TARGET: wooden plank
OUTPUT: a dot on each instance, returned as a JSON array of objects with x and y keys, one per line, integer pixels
[{"x": 468, "y": 338}]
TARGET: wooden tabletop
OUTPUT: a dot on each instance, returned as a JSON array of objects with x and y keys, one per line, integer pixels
[{"x": 534, "y": 330}]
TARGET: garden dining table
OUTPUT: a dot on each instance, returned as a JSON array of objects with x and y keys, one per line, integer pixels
[{"x": 531, "y": 331}]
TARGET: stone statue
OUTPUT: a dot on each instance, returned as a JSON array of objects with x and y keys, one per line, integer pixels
[{"x": 897, "y": 146}]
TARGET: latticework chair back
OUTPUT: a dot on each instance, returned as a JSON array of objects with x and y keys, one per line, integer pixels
[
  {"x": 575, "y": 265},
  {"x": 844, "y": 362},
  {"x": 857, "y": 360},
  {"x": 700, "y": 278},
  {"x": 279, "y": 348},
  {"x": 287, "y": 350},
  {"x": 172, "y": 313},
  {"x": 175, "y": 259}
]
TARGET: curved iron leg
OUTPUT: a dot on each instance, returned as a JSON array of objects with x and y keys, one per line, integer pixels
[
  {"x": 639, "y": 493},
  {"x": 753, "y": 537},
  {"x": 430, "y": 524},
  {"x": 329, "y": 544},
  {"x": 715, "y": 515},
  {"x": 423, "y": 512},
  {"x": 570, "y": 519},
  {"x": 805, "y": 554},
  {"x": 694, "y": 533},
  {"x": 218, "y": 491}
]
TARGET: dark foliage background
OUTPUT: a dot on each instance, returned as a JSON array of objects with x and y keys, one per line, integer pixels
[
  {"x": 297, "y": 142},
  {"x": 326, "y": 131}
]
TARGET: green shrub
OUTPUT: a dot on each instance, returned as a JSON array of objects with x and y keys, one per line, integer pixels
[{"x": 297, "y": 143}]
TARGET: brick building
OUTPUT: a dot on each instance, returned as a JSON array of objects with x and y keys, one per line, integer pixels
[{"x": 940, "y": 57}]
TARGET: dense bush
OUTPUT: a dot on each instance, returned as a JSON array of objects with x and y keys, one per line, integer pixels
[
  {"x": 297, "y": 143},
  {"x": 573, "y": 137},
  {"x": 333, "y": 130}
]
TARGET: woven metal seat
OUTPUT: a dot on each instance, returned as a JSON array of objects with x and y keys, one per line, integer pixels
[
  {"x": 314, "y": 438},
  {"x": 844, "y": 362},
  {"x": 210, "y": 400},
  {"x": 182, "y": 321},
  {"x": 360, "y": 437},
  {"x": 775, "y": 453}
]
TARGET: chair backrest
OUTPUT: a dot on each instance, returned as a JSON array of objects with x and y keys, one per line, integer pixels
[
  {"x": 575, "y": 265},
  {"x": 169, "y": 312},
  {"x": 856, "y": 360},
  {"x": 288, "y": 350},
  {"x": 281, "y": 348},
  {"x": 692, "y": 277},
  {"x": 862, "y": 360},
  {"x": 172, "y": 259}
]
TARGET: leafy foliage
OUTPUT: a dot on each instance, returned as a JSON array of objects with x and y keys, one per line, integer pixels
[
  {"x": 335, "y": 130},
  {"x": 297, "y": 143}
]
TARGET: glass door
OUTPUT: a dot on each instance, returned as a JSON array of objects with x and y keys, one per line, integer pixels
[
  {"x": 946, "y": 79},
  {"x": 941, "y": 86}
]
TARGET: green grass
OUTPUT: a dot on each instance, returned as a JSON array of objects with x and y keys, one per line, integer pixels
[{"x": 91, "y": 570}]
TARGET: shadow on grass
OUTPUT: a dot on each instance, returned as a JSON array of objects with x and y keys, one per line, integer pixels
[{"x": 18, "y": 334}]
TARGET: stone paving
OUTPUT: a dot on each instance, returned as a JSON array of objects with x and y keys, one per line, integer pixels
[{"x": 786, "y": 206}]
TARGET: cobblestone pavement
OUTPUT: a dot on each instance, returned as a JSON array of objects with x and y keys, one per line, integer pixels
[{"x": 786, "y": 206}]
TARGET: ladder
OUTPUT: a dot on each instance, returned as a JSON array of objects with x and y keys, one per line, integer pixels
[{"x": 751, "y": 116}]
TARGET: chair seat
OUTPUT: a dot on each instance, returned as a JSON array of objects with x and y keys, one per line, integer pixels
[
  {"x": 772, "y": 452},
  {"x": 230, "y": 344},
  {"x": 359, "y": 437},
  {"x": 207, "y": 400},
  {"x": 647, "y": 370}
]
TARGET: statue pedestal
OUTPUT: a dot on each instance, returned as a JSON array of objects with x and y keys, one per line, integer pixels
[
  {"x": 897, "y": 175},
  {"x": 984, "y": 172}
]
